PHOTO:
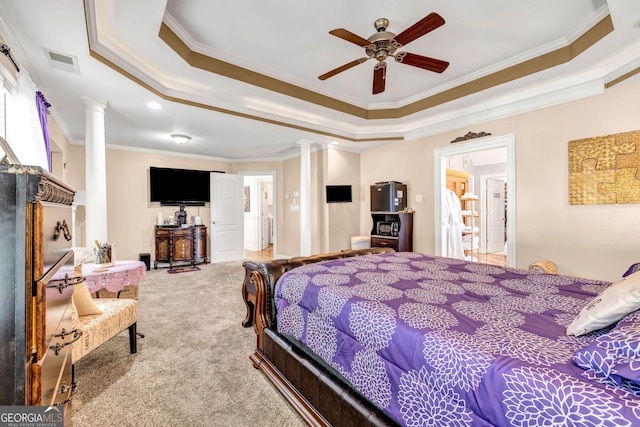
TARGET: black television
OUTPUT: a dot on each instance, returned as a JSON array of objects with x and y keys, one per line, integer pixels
[
  {"x": 173, "y": 187},
  {"x": 338, "y": 193}
]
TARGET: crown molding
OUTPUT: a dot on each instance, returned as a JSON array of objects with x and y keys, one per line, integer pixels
[{"x": 411, "y": 120}]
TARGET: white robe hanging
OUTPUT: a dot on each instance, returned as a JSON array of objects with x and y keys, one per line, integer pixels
[{"x": 453, "y": 225}]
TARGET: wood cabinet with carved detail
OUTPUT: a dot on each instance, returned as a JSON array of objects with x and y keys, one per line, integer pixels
[
  {"x": 180, "y": 245},
  {"x": 36, "y": 284}
]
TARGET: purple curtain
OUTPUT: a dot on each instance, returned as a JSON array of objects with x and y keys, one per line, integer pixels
[{"x": 43, "y": 107}]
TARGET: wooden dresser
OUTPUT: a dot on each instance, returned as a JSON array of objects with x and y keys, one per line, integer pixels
[
  {"x": 180, "y": 245},
  {"x": 36, "y": 274}
]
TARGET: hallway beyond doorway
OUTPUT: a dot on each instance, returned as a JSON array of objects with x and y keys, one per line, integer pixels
[
  {"x": 260, "y": 256},
  {"x": 495, "y": 258}
]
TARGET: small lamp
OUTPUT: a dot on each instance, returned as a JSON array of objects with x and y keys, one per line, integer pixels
[{"x": 180, "y": 139}]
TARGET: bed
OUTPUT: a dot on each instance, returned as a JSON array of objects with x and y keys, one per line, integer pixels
[{"x": 377, "y": 338}]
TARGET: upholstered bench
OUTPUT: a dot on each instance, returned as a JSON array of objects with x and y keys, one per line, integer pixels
[
  {"x": 117, "y": 316},
  {"x": 100, "y": 319}
]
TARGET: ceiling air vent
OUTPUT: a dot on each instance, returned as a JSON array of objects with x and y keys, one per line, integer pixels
[{"x": 62, "y": 61}]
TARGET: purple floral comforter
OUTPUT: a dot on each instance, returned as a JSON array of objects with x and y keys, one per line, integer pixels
[{"x": 443, "y": 342}]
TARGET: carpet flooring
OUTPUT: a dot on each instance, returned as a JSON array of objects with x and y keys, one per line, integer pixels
[{"x": 192, "y": 368}]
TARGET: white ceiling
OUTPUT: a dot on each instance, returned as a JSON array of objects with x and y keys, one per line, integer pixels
[{"x": 122, "y": 60}]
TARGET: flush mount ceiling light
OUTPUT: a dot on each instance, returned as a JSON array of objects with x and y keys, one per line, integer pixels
[{"x": 180, "y": 139}]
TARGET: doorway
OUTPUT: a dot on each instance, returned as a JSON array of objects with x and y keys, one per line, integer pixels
[
  {"x": 479, "y": 186},
  {"x": 259, "y": 215},
  {"x": 494, "y": 218}
]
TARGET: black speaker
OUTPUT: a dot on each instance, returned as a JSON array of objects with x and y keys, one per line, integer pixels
[{"x": 146, "y": 258}]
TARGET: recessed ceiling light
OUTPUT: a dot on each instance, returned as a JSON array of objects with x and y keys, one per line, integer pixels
[
  {"x": 154, "y": 105},
  {"x": 180, "y": 139},
  {"x": 334, "y": 143}
]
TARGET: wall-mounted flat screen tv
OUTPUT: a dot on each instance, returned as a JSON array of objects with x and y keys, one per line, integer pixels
[
  {"x": 338, "y": 193},
  {"x": 173, "y": 187}
]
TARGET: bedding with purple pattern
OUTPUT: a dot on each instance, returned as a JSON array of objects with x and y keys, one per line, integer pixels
[{"x": 445, "y": 342}]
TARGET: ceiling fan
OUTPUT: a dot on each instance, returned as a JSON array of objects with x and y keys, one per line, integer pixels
[{"x": 384, "y": 44}]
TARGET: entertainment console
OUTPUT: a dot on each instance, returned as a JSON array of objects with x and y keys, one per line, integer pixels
[{"x": 183, "y": 245}]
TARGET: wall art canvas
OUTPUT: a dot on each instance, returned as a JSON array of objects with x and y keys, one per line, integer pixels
[{"x": 605, "y": 169}]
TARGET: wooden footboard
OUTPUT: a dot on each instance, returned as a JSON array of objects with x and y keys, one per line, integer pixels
[{"x": 320, "y": 397}]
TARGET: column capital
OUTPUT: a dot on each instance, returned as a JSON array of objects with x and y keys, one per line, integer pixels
[
  {"x": 305, "y": 143},
  {"x": 94, "y": 104}
]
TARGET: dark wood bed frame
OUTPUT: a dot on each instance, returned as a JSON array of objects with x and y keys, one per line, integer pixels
[{"x": 314, "y": 390}]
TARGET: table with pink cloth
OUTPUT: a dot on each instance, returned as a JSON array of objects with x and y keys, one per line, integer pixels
[{"x": 114, "y": 278}]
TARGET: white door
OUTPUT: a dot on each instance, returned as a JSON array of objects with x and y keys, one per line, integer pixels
[
  {"x": 227, "y": 217},
  {"x": 264, "y": 216},
  {"x": 494, "y": 201}
]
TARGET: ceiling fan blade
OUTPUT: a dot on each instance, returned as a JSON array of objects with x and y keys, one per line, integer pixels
[
  {"x": 350, "y": 37},
  {"x": 420, "y": 28},
  {"x": 345, "y": 67},
  {"x": 379, "y": 77},
  {"x": 423, "y": 62}
]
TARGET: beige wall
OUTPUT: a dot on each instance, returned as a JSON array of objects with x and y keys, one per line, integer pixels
[
  {"x": 342, "y": 219},
  {"x": 131, "y": 216},
  {"x": 289, "y": 245},
  {"x": 59, "y": 149},
  {"x": 411, "y": 163},
  {"x": 596, "y": 241}
]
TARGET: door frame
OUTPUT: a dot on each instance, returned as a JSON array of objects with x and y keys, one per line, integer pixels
[
  {"x": 439, "y": 181},
  {"x": 273, "y": 174}
]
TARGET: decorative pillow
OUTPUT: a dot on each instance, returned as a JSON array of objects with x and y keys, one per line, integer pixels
[
  {"x": 615, "y": 302},
  {"x": 634, "y": 267},
  {"x": 615, "y": 356},
  {"x": 75, "y": 320},
  {"x": 83, "y": 301},
  {"x": 83, "y": 255}
]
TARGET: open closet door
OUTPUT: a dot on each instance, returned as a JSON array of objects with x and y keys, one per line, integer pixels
[{"x": 227, "y": 217}]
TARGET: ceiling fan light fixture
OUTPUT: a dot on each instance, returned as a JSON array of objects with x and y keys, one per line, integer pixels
[
  {"x": 180, "y": 139},
  {"x": 384, "y": 44},
  {"x": 382, "y": 37},
  {"x": 381, "y": 24}
]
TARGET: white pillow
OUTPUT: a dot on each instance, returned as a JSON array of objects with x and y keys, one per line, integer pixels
[{"x": 611, "y": 305}]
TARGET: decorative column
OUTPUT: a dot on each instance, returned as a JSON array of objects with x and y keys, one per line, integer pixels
[
  {"x": 305, "y": 197},
  {"x": 78, "y": 200},
  {"x": 95, "y": 171}
]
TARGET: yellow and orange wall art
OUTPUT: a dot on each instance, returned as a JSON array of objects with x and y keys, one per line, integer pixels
[{"x": 605, "y": 169}]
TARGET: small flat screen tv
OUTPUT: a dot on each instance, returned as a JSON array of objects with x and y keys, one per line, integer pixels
[
  {"x": 338, "y": 193},
  {"x": 173, "y": 187}
]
